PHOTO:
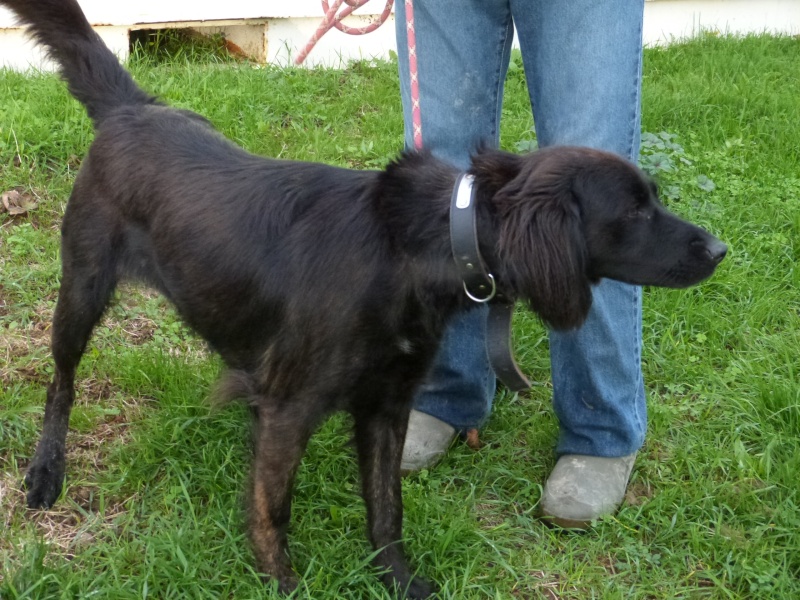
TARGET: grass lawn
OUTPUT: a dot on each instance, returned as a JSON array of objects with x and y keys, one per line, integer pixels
[{"x": 153, "y": 503}]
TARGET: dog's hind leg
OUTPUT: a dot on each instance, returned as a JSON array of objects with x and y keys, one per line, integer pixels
[
  {"x": 282, "y": 433},
  {"x": 88, "y": 280},
  {"x": 380, "y": 434}
]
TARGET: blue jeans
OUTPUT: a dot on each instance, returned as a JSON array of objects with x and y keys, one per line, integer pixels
[{"x": 583, "y": 62}]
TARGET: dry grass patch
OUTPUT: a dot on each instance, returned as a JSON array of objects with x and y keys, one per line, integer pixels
[
  {"x": 71, "y": 524},
  {"x": 81, "y": 516},
  {"x": 21, "y": 352},
  {"x": 539, "y": 585}
]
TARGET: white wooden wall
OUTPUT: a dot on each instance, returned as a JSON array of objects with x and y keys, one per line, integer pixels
[{"x": 274, "y": 30}]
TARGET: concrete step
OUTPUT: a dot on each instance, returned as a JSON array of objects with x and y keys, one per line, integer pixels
[
  {"x": 274, "y": 31},
  {"x": 269, "y": 31}
]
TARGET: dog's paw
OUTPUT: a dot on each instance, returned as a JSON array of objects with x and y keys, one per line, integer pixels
[
  {"x": 287, "y": 584},
  {"x": 283, "y": 578},
  {"x": 43, "y": 483},
  {"x": 420, "y": 588},
  {"x": 410, "y": 586}
]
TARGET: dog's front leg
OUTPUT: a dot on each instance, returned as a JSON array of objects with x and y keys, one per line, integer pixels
[
  {"x": 280, "y": 440},
  {"x": 45, "y": 474},
  {"x": 379, "y": 439}
]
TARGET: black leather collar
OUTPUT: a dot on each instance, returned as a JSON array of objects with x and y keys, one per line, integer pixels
[{"x": 480, "y": 285}]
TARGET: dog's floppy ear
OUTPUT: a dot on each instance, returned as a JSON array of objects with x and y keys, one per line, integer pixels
[{"x": 541, "y": 246}]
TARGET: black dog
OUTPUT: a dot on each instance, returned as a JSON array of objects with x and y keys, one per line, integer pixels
[{"x": 322, "y": 288}]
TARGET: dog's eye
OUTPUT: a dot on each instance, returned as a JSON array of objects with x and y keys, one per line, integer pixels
[{"x": 639, "y": 213}]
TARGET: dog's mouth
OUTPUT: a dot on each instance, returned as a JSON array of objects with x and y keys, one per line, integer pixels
[
  {"x": 684, "y": 274},
  {"x": 696, "y": 266},
  {"x": 705, "y": 258}
]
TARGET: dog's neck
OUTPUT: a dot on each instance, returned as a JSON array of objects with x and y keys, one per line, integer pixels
[
  {"x": 527, "y": 221},
  {"x": 448, "y": 214},
  {"x": 414, "y": 200},
  {"x": 418, "y": 183}
]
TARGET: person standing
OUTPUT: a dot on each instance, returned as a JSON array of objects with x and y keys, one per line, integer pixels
[{"x": 583, "y": 65}]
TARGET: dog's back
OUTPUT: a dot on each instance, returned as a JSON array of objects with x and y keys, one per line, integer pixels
[{"x": 197, "y": 217}]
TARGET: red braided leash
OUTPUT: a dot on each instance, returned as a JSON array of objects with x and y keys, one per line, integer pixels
[
  {"x": 416, "y": 115},
  {"x": 333, "y": 18}
]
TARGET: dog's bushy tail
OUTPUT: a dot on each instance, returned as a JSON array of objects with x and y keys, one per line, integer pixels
[{"x": 92, "y": 72}]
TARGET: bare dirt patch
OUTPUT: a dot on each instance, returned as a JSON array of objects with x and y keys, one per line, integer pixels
[
  {"x": 4, "y": 310},
  {"x": 638, "y": 493},
  {"x": 69, "y": 525},
  {"x": 488, "y": 515},
  {"x": 22, "y": 352}
]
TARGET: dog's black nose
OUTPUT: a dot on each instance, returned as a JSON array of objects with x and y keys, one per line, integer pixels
[
  {"x": 717, "y": 251},
  {"x": 710, "y": 247}
]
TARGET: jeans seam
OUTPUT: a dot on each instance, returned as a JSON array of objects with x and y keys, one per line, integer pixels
[
  {"x": 498, "y": 84},
  {"x": 638, "y": 402},
  {"x": 641, "y": 419},
  {"x": 637, "y": 100}
]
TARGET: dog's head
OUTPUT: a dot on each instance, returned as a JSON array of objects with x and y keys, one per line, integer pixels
[{"x": 567, "y": 217}]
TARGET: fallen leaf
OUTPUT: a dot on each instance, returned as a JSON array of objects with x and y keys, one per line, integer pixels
[{"x": 17, "y": 203}]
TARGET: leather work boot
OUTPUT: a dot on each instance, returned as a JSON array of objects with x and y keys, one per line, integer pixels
[
  {"x": 427, "y": 440},
  {"x": 582, "y": 489}
]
